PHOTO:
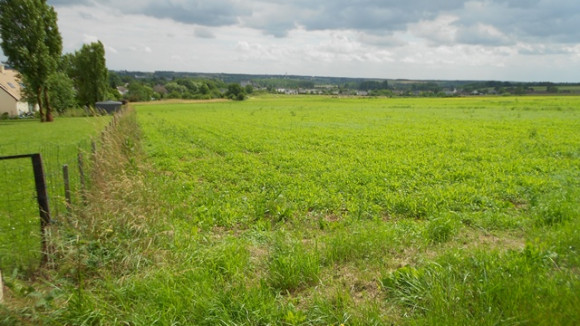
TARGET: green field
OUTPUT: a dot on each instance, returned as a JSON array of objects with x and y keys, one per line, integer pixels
[
  {"x": 58, "y": 143},
  {"x": 330, "y": 211},
  {"x": 297, "y": 159}
]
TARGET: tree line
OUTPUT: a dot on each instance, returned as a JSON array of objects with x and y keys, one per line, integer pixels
[
  {"x": 55, "y": 82},
  {"x": 137, "y": 87}
]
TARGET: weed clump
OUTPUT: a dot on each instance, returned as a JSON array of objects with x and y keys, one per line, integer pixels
[
  {"x": 441, "y": 229},
  {"x": 291, "y": 265}
]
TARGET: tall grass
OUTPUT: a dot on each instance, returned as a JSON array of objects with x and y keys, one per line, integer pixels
[{"x": 488, "y": 288}]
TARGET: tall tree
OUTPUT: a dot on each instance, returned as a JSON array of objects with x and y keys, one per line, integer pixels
[
  {"x": 90, "y": 74},
  {"x": 139, "y": 92},
  {"x": 235, "y": 92},
  {"x": 61, "y": 91},
  {"x": 33, "y": 44}
]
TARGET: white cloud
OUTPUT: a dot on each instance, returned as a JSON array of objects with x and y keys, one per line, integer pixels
[
  {"x": 483, "y": 34},
  {"x": 440, "y": 30},
  {"x": 539, "y": 19},
  {"x": 495, "y": 39},
  {"x": 90, "y": 39}
]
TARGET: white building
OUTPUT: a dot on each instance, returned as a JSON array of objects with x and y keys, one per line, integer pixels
[{"x": 11, "y": 100}]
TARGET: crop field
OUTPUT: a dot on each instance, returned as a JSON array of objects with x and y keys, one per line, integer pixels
[
  {"x": 58, "y": 143},
  {"x": 318, "y": 210},
  {"x": 331, "y": 211},
  {"x": 276, "y": 160}
]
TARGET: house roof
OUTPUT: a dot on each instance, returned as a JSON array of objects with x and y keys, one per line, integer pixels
[{"x": 10, "y": 83}]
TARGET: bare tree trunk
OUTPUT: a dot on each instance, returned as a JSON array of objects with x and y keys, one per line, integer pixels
[
  {"x": 49, "y": 117},
  {"x": 39, "y": 101}
]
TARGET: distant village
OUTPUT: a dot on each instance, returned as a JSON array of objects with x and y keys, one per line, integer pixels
[{"x": 164, "y": 85}]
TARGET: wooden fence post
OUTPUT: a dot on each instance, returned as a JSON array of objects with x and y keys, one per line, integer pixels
[
  {"x": 42, "y": 198},
  {"x": 81, "y": 169},
  {"x": 67, "y": 194}
]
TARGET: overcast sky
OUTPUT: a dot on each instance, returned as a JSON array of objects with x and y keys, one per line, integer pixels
[{"x": 517, "y": 40}]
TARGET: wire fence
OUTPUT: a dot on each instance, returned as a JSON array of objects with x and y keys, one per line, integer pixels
[{"x": 20, "y": 225}]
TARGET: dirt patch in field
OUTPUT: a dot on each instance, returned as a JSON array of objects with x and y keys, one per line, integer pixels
[
  {"x": 467, "y": 240},
  {"x": 352, "y": 287},
  {"x": 258, "y": 255},
  {"x": 259, "y": 261},
  {"x": 361, "y": 286},
  {"x": 332, "y": 218},
  {"x": 504, "y": 241}
]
